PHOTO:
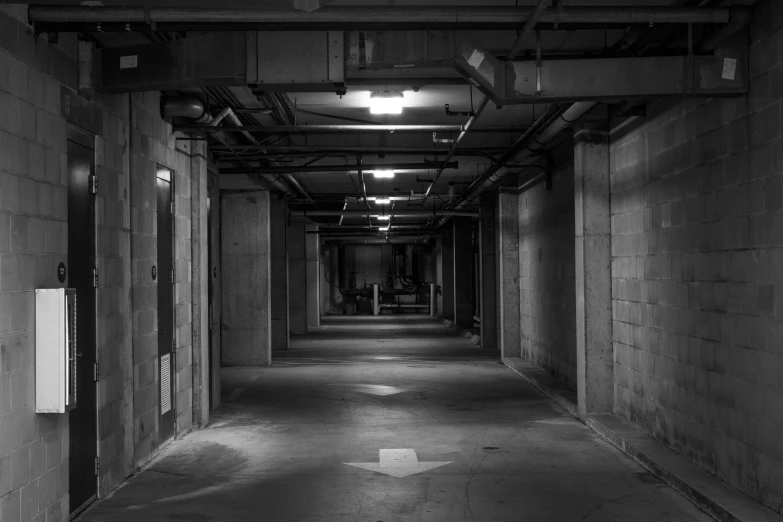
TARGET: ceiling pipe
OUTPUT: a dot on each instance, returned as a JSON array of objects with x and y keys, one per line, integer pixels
[
  {"x": 228, "y": 114},
  {"x": 310, "y": 169},
  {"x": 381, "y": 211},
  {"x": 456, "y": 143},
  {"x": 347, "y": 129},
  {"x": 294, "y": 150},
  {"x": 388, "y": 17},
  {"x": 527, "y": 29},
  {"x": 532, "y": 146}
]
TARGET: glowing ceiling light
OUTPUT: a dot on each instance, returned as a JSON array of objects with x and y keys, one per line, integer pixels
[
  {"x": 386, "y": 102},
  {"x": 383, "y": 201},
  {"x": 383, "y": 218},
  {"x": 383, "y": 229},
  {"x": 383, "y": 173}
]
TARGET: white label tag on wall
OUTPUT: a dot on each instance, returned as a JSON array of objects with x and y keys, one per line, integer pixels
[
  {"x": 729, "y": 68},
  {"x": 129, "y": 62}
]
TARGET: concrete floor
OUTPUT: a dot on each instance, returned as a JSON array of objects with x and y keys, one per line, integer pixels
[{"x": 278, "y": 448}]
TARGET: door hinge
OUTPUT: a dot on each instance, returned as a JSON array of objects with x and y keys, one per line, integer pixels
[
  {"x": 97, "y": 466},
  {"x": 94, "y": 184},
  {"x": 95, "y": 278},
  {"x": 96, "y": 372},
  {"x": 173, "y": 277},
  {"x": 173, "y": 208}
]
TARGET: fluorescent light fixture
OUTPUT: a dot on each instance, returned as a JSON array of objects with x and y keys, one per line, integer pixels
[
  {"x": 383, "y": 229},
  {"x": 383, "y": 218},
  {"x": 384, "y": 173},
  {"x": 382, "y": 201},
  {"x": 386, "y": 102}
]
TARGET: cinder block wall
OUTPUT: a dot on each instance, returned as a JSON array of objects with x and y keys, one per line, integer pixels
[
  {"x": 129, "y": 139},
  {"x": 154, "y": 145},
  {"x": 547, "y": 305},
  {"x": 33, "y": 241},
  {"x": 697, "y": 274}
]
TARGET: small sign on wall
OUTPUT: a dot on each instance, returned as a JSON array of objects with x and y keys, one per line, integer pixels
[{"x": 129, "y": 62}]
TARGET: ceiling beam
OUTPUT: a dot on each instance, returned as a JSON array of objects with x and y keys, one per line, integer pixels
[
  {"x": 387, "y": 212},
  {"x": 387, "y": 17},
  {"x": 344, "y": 129},
  {"x": 293, "y": 169}
]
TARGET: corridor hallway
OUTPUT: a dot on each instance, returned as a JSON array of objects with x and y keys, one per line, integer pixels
[{"x": 279, "y": 447}]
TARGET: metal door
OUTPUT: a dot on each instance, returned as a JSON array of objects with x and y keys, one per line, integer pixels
[
  {"x": 166, "y": 352},
  {"x": 83, "y": 425}
]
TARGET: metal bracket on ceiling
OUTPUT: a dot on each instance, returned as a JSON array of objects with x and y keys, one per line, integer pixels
[{"x": 449, "y": 112}]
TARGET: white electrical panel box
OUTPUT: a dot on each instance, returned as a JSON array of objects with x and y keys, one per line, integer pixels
[{"x": 55, "y": 350}]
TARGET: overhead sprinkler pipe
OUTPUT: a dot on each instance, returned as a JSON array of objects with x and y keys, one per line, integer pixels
[
  {"x": 456, "y": 143},
  {"x": 366, "y": 169},
  {"x": 366, "y": 17},
  {"x": 397, "y": 213}
]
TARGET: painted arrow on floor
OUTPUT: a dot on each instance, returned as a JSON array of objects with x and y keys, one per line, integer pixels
[{"x": 398, "y": 463}]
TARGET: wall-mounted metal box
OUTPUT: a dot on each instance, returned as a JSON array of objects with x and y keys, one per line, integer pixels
[{"x": 55, "y": 350}]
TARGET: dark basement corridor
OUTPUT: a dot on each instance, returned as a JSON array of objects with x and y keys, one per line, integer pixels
[{"x": 386, "y": 419}]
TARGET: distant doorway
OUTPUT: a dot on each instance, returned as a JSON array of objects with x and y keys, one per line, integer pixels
[{"x": 166, "y": 279}]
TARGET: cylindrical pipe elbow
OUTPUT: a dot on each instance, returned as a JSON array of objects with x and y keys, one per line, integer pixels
[{"x": 182, "y": 107}]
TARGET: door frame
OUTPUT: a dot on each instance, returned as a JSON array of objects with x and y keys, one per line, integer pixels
[
  {"x": 163, "y": 277},
  {"x": 86, "y": 139}
]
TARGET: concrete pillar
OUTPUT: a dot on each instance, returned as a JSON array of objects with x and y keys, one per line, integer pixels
[
  {"x": 297, "y": 280},
  {"x": 594, "y": 362},
  {"x": 508, "y": 272},
  {"x": 313, "y": 277},
  {"x": 200, "y": 282},
  {"x": 278, "y": 223},
  {"x": 489, "y": 271},
  {"x": 463, "y": 272},
  {"x": 247, "y": 269},
  {"x": 437, "y": 274},
  {"x": 447, "y": 274}
]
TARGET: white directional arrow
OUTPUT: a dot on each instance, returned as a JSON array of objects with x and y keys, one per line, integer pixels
[
  {"x": 398, "y": 463},
  {"x": 373, "y": 389}
]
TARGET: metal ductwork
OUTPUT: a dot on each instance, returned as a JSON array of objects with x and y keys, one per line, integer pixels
[
  {"x": 181, "y": 107},
  {"x": 386, "y": 212},
  {"x": 366, "y": 17}
]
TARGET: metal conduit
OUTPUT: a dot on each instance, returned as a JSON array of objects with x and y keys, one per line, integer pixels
[
  {"x": 343, "y": 168},
  {"x": 456, "y": 143},
  {"x": 400, "y": 213},
  {"x": 347, "y": 129},
  {"x": 343, "y": 17},
  {"x": 229, "y": 115}
]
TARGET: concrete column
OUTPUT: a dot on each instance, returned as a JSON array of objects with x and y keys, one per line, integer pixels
[
  {"x": 489, "y": 272},
  {"x": 297, "y": 280},
  {"x": 463, "y": 272},
  {"x": 437, "y": 273},
  {"x": 508, "y": 285},
  {"x": 247, "y": 269},
  {"x": 594, "y": 362},
  {"x": 447, "y": 274},
  {"x": 200, "y": 282},
  {"x": 313, "y": 277},
  {"x": 278, "y": 223}
]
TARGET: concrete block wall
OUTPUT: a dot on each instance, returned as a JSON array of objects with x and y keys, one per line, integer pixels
[
  {"x": 112, "y": 164},
  {"x": 153, "y": 145},
  {"x": 697, "y": 274},
  {"x": 130, "y": 139},
  {"x": 547, "y": 301},
  {"x": 34, "y": 449}
]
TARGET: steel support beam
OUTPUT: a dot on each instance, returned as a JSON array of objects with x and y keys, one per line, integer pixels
[
  {"x": 293, "y": 169},
  {"x": 382, "y": 211},
  {"x": 365, "y": 17},
  {"x": 346, "y": 129}
]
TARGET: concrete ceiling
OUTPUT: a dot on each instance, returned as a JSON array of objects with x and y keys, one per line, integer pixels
[{"x": 425, "y": 105}]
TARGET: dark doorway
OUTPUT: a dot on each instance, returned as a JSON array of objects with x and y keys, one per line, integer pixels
[
  {"x": 83, "y": 427},
  {"x": 210, "y": 298},
  {"x": 166, "y": 303}
]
